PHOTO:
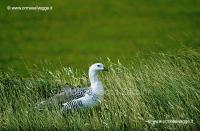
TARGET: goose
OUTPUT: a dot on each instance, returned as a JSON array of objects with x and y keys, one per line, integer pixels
[{"x": 75, "y": 98}]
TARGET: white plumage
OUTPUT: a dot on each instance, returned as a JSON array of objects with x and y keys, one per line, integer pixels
[{"x": 81, "y": 97}]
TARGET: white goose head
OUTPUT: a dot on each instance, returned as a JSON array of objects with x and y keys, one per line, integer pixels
[
  {"x": 98, "y": 67},
  {"x": 94, "y": 69}
]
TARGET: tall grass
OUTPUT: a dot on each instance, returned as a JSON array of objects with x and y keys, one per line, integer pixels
[{"x": 160, "y": 87}]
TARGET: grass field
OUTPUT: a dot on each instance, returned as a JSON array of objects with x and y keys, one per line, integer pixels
[
  {"x": 166, "y": 87},
  {"x": 77, "y": 32},
  {"x": 157, "y": 76}
]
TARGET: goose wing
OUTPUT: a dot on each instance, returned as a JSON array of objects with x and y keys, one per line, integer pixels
[
  {"x": 68, "y": 93},
  {"x": 75, "y": 93}
]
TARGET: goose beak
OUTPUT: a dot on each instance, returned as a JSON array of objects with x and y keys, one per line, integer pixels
[{"x": 105, "y": 69}]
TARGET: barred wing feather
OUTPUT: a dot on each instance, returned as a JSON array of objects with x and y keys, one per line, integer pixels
[
  {"x": 76, "y": 92},
  {"x": 67, "y": 94}
]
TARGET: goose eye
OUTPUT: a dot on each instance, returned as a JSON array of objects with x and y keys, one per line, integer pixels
[{"x": 98, "y": 65}]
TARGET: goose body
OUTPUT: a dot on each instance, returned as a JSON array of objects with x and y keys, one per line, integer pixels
[{"x": 74, "y": 98}]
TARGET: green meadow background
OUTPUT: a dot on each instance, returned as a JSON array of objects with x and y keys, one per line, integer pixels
[
  {"x": 77, "y": 33},
  {"x": 157, "y": 77}
]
